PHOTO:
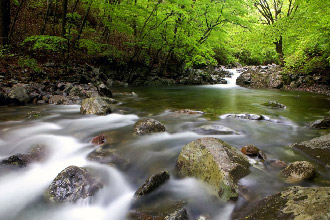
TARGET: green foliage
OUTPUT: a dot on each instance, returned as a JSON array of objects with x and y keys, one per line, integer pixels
[
  {"x": 31, "y": 63},
  {"x": 45, "y": 43}
]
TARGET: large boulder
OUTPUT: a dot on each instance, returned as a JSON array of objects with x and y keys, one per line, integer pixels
[
  {"x": 97, "y": 105},
  {"x": 214, "y": 162},
  {"x": 294, "y": 203},
  {"x": 298, "y": 171},
  {"x": 148, "y": 126},
  {"x": 152, "y": 183},
  {"x": 321, "y": 123},
  {"x": 71, "y": 184},
  {"x": 317, "y": 148},
  {"x": 19, "y": 95}
]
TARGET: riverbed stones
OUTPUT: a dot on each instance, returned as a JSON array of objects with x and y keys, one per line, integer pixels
[
  {"x": 294, "y": 203},
  {"x": 250, "y": 150},
  {"x": 152, "y": 183},
  {"x": 214, "y": 162},
  {"x": 316, "y": 148},
  {"x": 148, "y": 126},
  {"x": 71, "y": 184},
  {"x": 274, "y": 104},
  {"x": 214, "y": 130},
  {"x": 298, "y": 171},
  {"x": 321, "y": 123},
  {"x": 97, "y": 105}
]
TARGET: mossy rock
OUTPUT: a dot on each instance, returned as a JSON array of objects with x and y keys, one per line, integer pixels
[
  {"x": 148, "y": 126},
  {"x": 296, "y": 203},
  {"x": 216, "y": 163},
  {"x": 97, "y": 105}
]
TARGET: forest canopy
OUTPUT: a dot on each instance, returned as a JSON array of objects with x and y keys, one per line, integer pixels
[{"x": 161, "y": 33}]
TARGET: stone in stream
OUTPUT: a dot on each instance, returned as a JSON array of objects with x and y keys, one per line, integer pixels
[
  {"x": 35, "y": 154},
  {"x": 321, "y": 123},
  {"x": 262, "y": 155},
  {"x": 247, "y": 116},
  {"x": 275, "y": 164},
  {"x": 148, "y": 126},
  {"x": 188, "y": 111},
  {"x": 214, "y": 162},
  {"x": 294, "y": 203},
  {"x": 108, "y": 156},
  {"x": 250, "y": 150},
  {"x": 152, "y": 183},
  {"x": 71, "y": 184},
  {"x": 97, "y": 105},
  {"x": 180, "y": 214},
  {"x": 298, "y": 171},
  {"x": 274, "y": 104},
  {"x": 214, "y": 130},
  {"x": 98, "y": 140},
  {"x": 316, "y": 148},
  {"x": 57, "y": 100}
]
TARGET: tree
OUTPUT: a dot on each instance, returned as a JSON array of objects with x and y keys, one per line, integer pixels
[
  {"x": 272, "y": 11},
  {"x": 4, "y": 21}
]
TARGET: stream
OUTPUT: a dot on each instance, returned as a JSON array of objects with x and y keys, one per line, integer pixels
[{"x": 67, "y": 135}]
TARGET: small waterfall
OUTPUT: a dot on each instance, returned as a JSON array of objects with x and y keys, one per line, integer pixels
[{"x": 231, "y": 81}]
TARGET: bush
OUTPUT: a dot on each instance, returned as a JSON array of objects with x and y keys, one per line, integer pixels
[
  {"x": 45, "y": 44},
  {"x": 27, "y": 62}
]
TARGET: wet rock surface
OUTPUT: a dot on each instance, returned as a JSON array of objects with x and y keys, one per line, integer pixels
[
  {"x": 247, "y": 116},
  {"x": 188, "y": 111},
  {"x": 71, "y": 184},
  {"x": 250, "y": 150},
  {"x": 321, "y": 123},
  {"x": 214, "y": 162},
  {"x": 97, "y": 105},
  {"x": 298, "y": 171},
  {"x": 292, "y": 204},
  {"x": 180, "y": 214},
  {"x": 316, "y": 148},
  {"x": 152, "y": 183},
  {"x": 99, "y": 140},
  {"x": 108, "y": 156},
  {"x": 148, "y": 126},
  {"x": 214, "y": 130}
]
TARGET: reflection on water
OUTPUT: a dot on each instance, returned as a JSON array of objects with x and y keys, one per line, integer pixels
[{"x": 67, "y": 135}]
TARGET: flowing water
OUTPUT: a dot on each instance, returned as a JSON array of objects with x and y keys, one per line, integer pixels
[{"x": 67, "y": 135}]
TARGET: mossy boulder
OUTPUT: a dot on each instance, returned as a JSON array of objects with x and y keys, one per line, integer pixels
[
  {"x": 216, "y": 163},
  {"x": 71, "y": 184},
  {"x": 97, "y": 105},
  {"x": 317, "y": 148},
  {"x": 298, "y": 171},
  {"x": 148, "y": 126},
  {"x": 294, "y": 203}
]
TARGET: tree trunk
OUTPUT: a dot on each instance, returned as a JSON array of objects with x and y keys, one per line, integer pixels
[
  {"x": 84, "y": 22},
  {"x": 64, "y": 12},
  {"x": 15, "y": 19},
  {"x": 4, "y": 21},
  {"x": 46, "y": 17},
  {"x": 279, "y": 50}
]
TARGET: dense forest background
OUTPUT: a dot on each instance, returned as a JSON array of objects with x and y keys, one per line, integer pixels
[{"x": 163, "y": 34}]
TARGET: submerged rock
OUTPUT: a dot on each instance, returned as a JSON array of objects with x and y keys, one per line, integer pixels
[
  {"x": 294, "y": 203},
  {"x": 214, "y": 130},
  {"x": 298, "y": 171},
  {"x": 250, "y": 150},
  {"x": 188, "y": 111},
  {"x": 109, "y": 157},
  {"x": 321, "y": 123},
  {"x": 275, "y": 164},
  {"x": 33, "y": 114},
  {"x": 274, "y": 104},
  {"x": 148, "y": 126},
  {"x": 71, "y": 184},
  {"x": 317, "y": 148},
  {"x": 214, "y": 162},
  {"x": 152, "y": 183},
  {"x": 97, "y": 105}
]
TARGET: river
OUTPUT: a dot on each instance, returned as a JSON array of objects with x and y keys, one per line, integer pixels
[{"x": 67, "y": 135}]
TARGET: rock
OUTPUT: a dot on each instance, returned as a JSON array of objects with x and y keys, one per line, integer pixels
[
  {"x": 214, "y": 162},
  {"x": 262, "y": 155},
  {"x": 71, "y": 184},
  {"x": 321, "y": 123},
  {"x": 33, "y": 114},
  {"x": 203, "y": 217},
  {"x": 19, "y": 95},
  {"x": 148, "y": 126},
  {"x": 104, "y": 90},
  {"x": 317, "y": 148},
  {"x": 57, "y": 100},
  {"x": 250, "y": 150},
  {"x": 109, "y": 157},
  {"x": 274, "y": 104},
  {"x": 96, "y": 105},
  {"x": 214, "y": 130},
  {"x": 293, "y": 203},
  {"x": 247, "y": 116},
  {"x": 180, "y": 214},
  {"x": 152, "y": 183},
  {"x": 98, "y": 140},
  {"x": 35, "y": 154},
  {"x": 298, "y": 171},
  {"x": 275, "y": 164},
  {"x": 188, "y": 111}
]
